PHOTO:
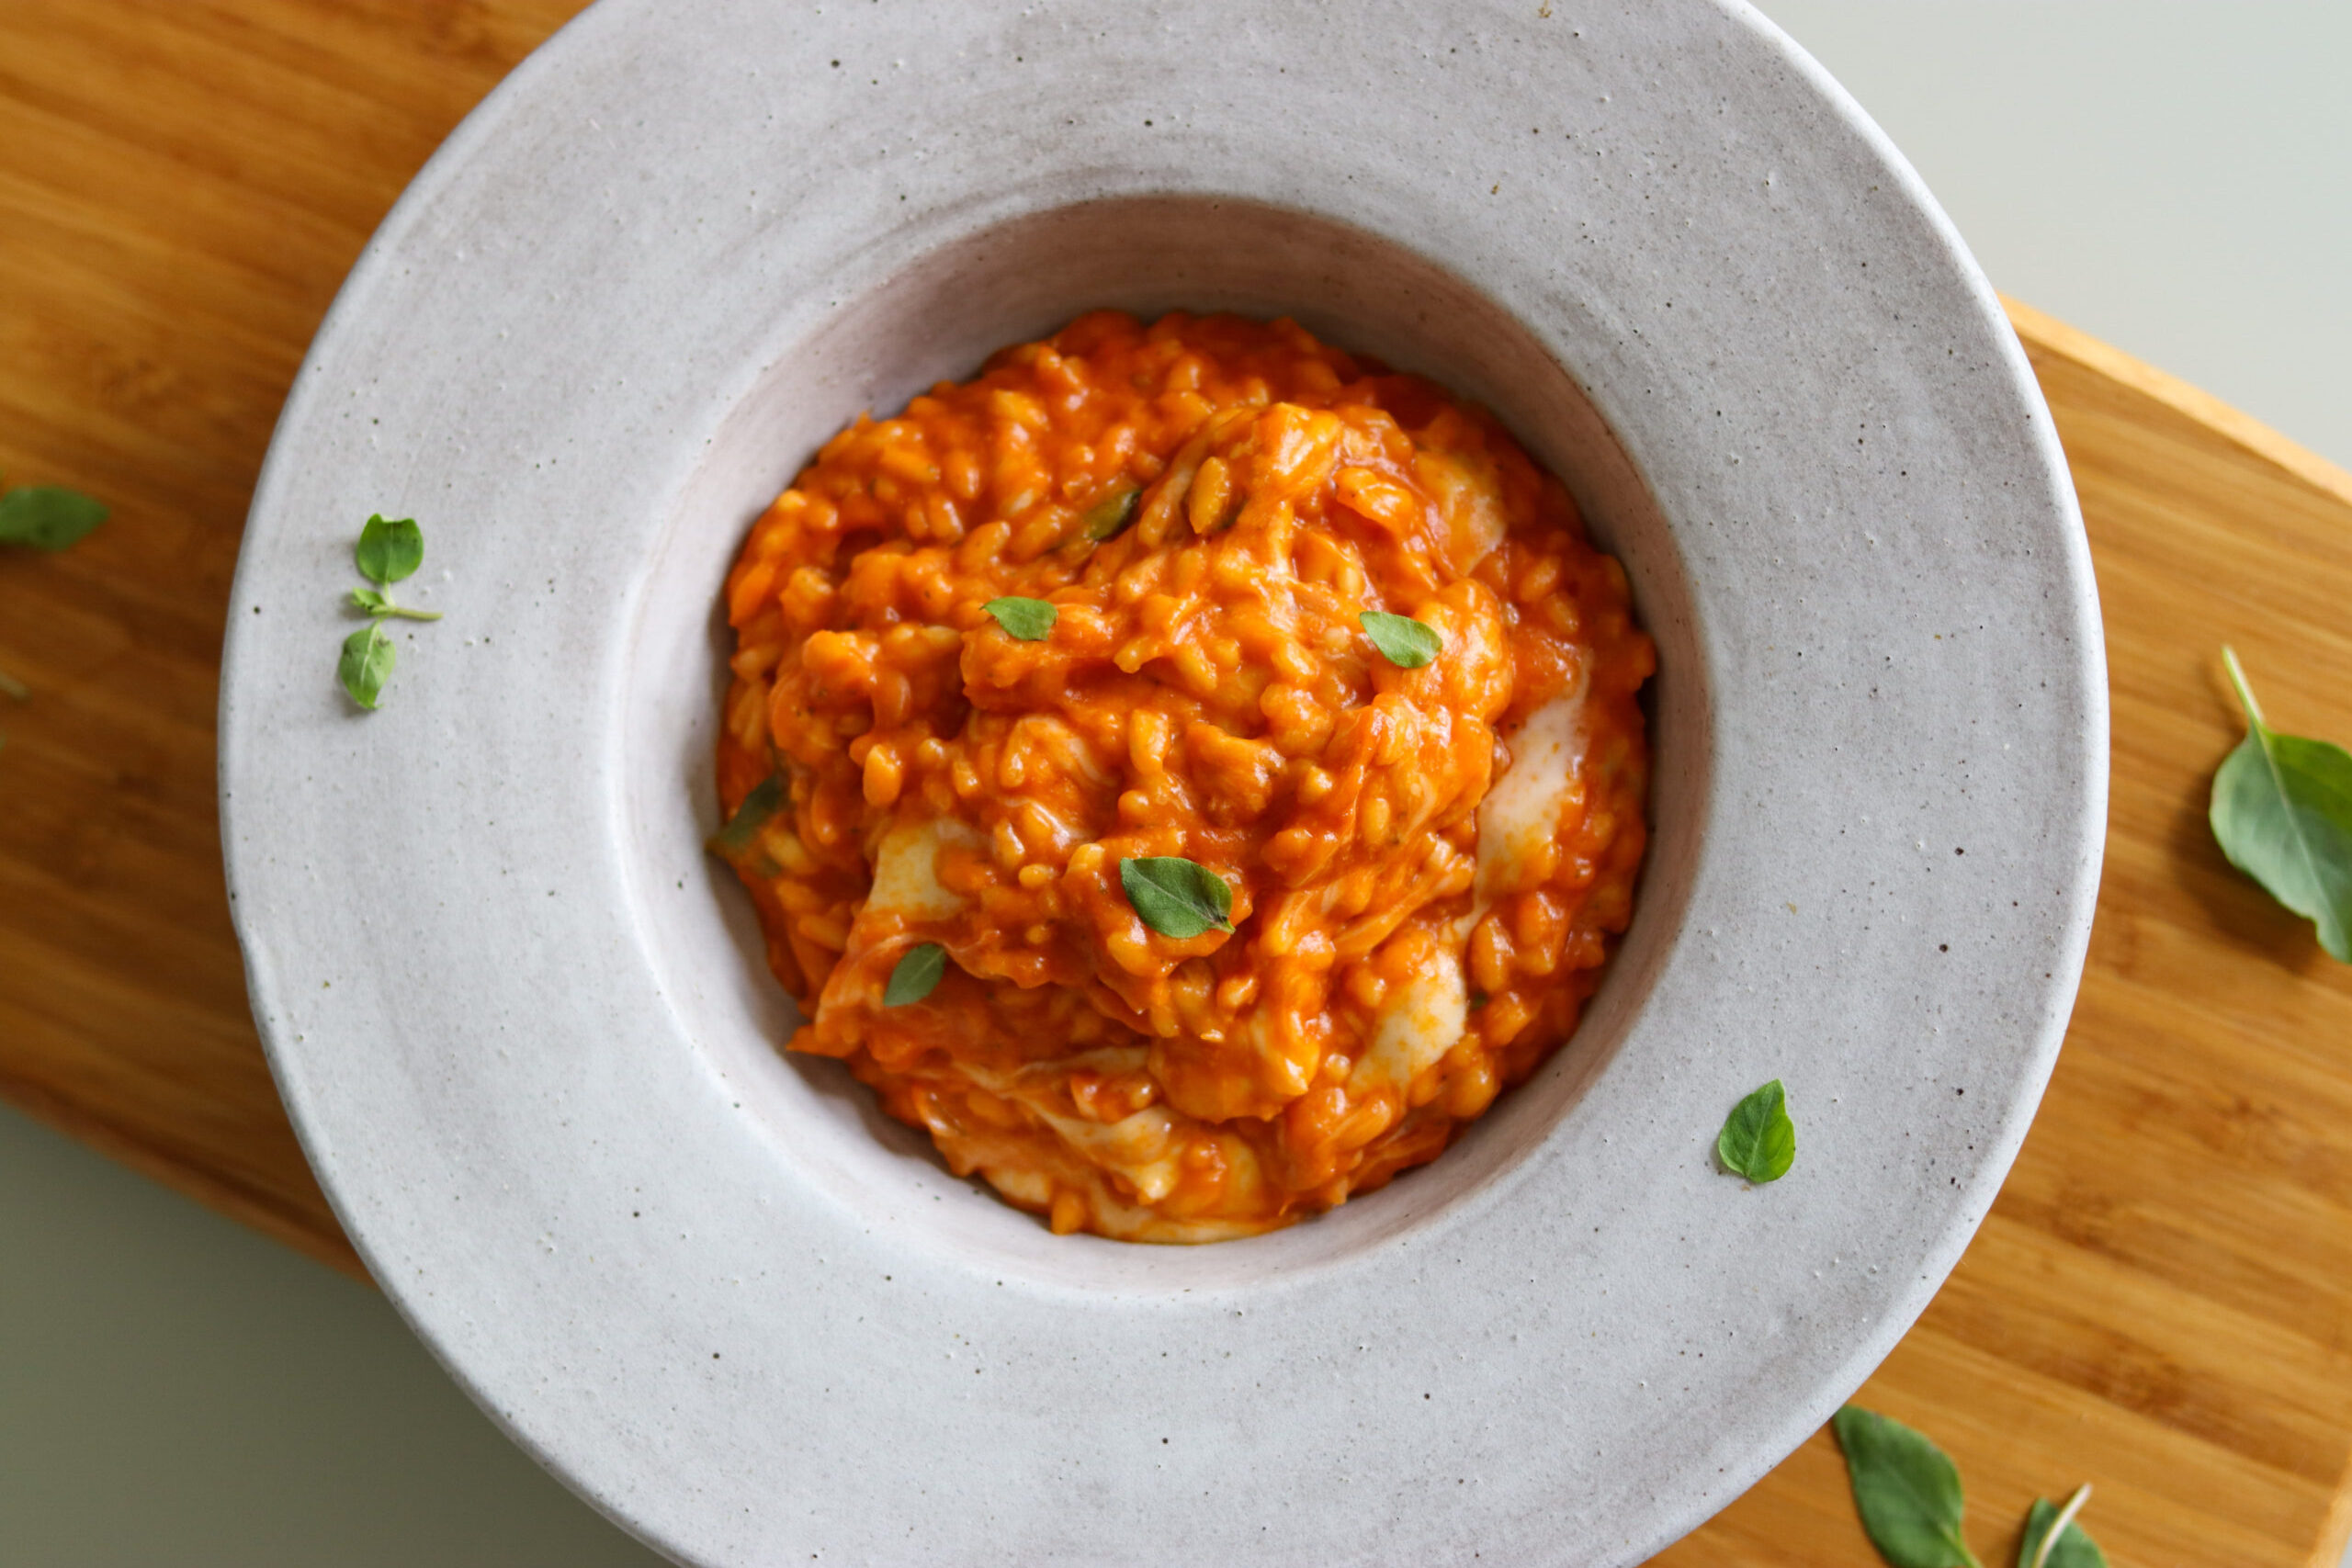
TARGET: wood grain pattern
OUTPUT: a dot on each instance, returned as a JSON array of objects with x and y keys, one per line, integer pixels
[{"x": 2161, "y": 1302}]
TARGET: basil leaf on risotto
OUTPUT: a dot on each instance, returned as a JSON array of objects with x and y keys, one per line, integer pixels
[
  {"x": 1405, "y": 642},
  {"x": 916, "y": 975},
  {"x": 1175, "y": 896},
  {"x": 1030, "y": 620}
]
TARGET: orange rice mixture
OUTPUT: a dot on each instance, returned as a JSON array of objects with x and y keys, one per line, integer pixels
[{"x": 1427, "y": 865}]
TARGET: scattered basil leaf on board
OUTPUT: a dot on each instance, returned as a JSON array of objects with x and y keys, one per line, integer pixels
[
  {"x": 2052, "y": 1540},
  {"x": 917, "y": 973},
  {"x": 1402, "y": 641},
  {"x": 1906, "y": 1490},
  {"x": 367, "y": 664},
  {"x": 1175, "y": 896},
  {"x": 1030, "y": 620},
  {"x": 1758, "y": 1140},
  {"x": 1111, "y": 517},
  {"x": 389, "y": 549},
  {"x": 47, "y": 517},
  {"x": 742, "y": 830},
  {"x": 2282, "y": 812}
]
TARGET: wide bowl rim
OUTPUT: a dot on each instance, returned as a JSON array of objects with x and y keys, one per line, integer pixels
[{"x": 395, "y": 247}]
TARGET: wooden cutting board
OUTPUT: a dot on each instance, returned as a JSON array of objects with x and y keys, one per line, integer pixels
[{"x": 2161, "y": 1302}]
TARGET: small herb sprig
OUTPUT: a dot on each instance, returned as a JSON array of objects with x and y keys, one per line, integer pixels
[
  {"x": 1907, "y": 1492},
  {"x": 47, "y": 517},
  {"x": 44, "y": 517},
  {"x": 389, "y": 550},
  {"x": 1028, "y": 620},
  {"x": 1403, "y": 641},
  {"x": 1112, "y": 516},
  {"x": 2282, "y": 812},
  {"x": 916, "y": 975},
  {"x": 2052, "y": 1540},
  {"x": 1175, "y": 896},
  {"x": 1758, "y": 1140}
]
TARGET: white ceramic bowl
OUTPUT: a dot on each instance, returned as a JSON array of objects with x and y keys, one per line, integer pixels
[{"x": 521, "y": 1021}]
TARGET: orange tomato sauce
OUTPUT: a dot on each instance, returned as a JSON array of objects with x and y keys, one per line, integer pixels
[{"x": 1428, "y": 866}]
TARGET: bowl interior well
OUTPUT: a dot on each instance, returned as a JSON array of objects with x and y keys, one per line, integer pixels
[{"x": 879, "y": 340}]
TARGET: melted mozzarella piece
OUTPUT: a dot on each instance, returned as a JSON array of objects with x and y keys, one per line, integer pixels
[
  {"x": 1522, "y": 811},
  {"x": 1138, "y": 1146},
  {"x": 1425, "y": 1016},
  {"x": 1423, "y": 1019},
  {"x": 906, "y": 870},
  {"x": 1141, "y": 1146},
  {"x": 1470, "y": 501}
]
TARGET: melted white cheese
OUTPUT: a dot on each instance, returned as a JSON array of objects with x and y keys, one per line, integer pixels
[
  {"x": 1425, "y": 1016},
  {"x": 1470, "y": 502},
  {"x": 1423, "y": 1019},
  {"x": 1522, "y": 811},
  {"x": 906, "y": 871},
  {"x": 1138, "y": 1146}
]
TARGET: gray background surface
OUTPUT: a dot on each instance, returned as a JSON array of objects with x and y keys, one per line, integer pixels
[{"x": 2168, "y": 175}]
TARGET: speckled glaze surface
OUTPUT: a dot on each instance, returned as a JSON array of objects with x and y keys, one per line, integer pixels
[{"x": 521, "y": 1024}]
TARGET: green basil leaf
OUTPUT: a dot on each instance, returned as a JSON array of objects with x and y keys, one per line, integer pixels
[
  {"x": 1114, "y": 515},
  {"x": 367, "y": 664},
  {"x": 916, "y": 975},
  {"x": 367, "y": 599},
  {"x": 2282, "y": 812},
  {"x": 390, "y": 549},
  {"x": 47, "y": 517},
  {"x": 1906, "y": 1490},
  {"x": 1175, "y": 896},
  {"x": 1402, "y": 641},
  {"x": 2072, "y": 1548},
  {"x": 1758, "y": 1140},
  {"x": 1030, "y": 620},
  {"x": 742, "y": 830}
]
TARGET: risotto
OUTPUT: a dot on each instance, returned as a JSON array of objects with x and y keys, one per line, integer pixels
[{"x": 1187, "y": 770}]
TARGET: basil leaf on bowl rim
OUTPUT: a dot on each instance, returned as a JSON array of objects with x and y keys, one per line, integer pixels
[
  {"x": 1405, "y": 642},
  {"x": 2282, "y": 813},
  {"x": 1030, "y": 620},
  {"x": 916, "y": 975},
  {"x": 1758, "y": 1140},
  {"x": 367, "y": 664},
  {"x": 1906, "y": 1490},
  {"x": 1175, "y": 896},
  {"x": 390, "y": 549}
]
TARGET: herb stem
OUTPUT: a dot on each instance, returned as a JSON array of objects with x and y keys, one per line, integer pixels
[
  {"x": 2246, "y": 693},
  {"x": 406, "y": 614},
  {"x": 2083, "y": 1493}
]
